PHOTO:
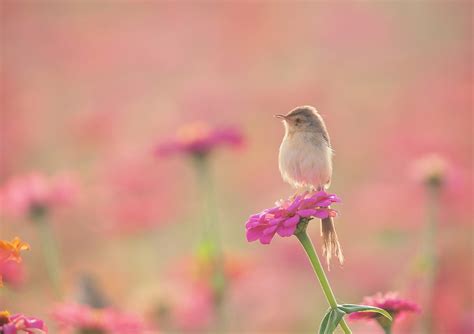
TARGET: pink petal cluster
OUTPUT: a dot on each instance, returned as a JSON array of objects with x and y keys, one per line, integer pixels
[
  {"x": 12, "y": 273},
  {"x": 285, "y": 216},
  {"x": 73, "y": 317},
  {"x": 199, "y": 139},
  {"x": 19, "y": 324},
  {"x": 389, "y": 302},
  {"x": 22, "y": 195}
]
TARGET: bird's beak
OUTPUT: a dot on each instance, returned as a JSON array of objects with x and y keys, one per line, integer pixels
[{"x": 280, "y": 116}]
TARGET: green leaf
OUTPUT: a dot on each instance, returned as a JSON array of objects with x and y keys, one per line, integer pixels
[
  {"x": 331, "y": 321},
  {"x": 352, "y": 308}
]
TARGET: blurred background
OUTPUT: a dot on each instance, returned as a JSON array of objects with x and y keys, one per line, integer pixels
[{"x": 90, "y": 88}]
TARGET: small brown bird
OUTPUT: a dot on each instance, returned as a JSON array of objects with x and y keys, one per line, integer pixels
[{"x": 305, "y": 162}]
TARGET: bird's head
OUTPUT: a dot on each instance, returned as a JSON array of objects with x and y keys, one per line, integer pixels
[{"x": 304, "y": 118}]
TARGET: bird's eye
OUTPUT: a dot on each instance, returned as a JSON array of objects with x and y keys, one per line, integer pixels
[{"x": 297, "y": 120}]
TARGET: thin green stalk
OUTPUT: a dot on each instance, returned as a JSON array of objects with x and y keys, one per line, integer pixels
[
  {"x": 205, "y": 185},
  {"x": 431, "y": 232},
  {"x": 50, "y": 253},
  {"x": 210, "y": 246},
  {"x": 321, "y": 275}
]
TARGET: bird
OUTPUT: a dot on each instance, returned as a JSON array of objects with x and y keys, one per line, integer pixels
[{"x": 305, "y": 162}]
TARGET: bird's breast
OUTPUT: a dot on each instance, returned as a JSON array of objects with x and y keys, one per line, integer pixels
[{"x": 305, "y": 160}]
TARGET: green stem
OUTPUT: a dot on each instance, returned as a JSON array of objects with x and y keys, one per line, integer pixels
[
  {"x": 50, "y": 254},
  {"x": 318, "y": 269},
  {"x": 430, "y": 253},
  {"x": 205, "y": 185},
  {"x": 210, "y": 246},
  {"x": 385, "y": 324}
]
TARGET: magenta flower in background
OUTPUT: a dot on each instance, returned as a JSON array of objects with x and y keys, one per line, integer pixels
[
  {"x": 33, "y": 193},
  {"x": 285, "y": 216},
  {"x": 390, "y": 302},
  {"x": 73, "y": 317},
  {"x": 199, "y": 139},
  {"x": 19, "y": 324}
]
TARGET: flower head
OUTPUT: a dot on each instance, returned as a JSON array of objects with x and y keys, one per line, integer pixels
[
  {"x": 389, "y": 302},
  {"x": 284, "y": 218},
  {"x": 10, "y": 252},
  {"x": 431, "y": 169},
  {"x": 73, "y": 317},
  {"x": 34, "y": 194},
  {"x": 20, "y": 324},
  {"x": 199, "y": 139}
]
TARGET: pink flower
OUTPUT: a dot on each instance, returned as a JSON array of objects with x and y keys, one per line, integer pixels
[
  {"x": 191, "y": 295},
  {"x": 285, "y": 216},
  {"x": 10, "y": 258},
  {"x": 72, "y": 317},
  {"x": 431, "y": 169},
  {"x": 199, "y": 139},
  {"x": 12, "y": 273},
  {"x": 19, "y": 323},
  {"x": 194, "y": 310},
  {"x": 35, "y": 193},
  {"x": 389, "y": 302}
]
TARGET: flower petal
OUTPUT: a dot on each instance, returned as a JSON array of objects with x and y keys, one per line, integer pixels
[
  {"x": 292, "y": 221},
  {"x": 254, "y": 233},
  {"x": 321, "y": 213},
  {"x": 270, "y": 230},
  {"x": 286, "y": 231},
  {"x": 307, "y": 212},
  {"x": 266, "y": 239}
]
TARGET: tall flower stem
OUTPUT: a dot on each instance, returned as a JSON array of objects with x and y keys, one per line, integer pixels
[
  {"x": 206, "y": 194},
  {"x": 321, "y": 275},
  {"x": 50, "y": 253},
  {"x": 210, "y": 247},
  {"x": 431, "y": 231}
]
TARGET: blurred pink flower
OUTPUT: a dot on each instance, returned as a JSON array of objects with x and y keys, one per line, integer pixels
[
  {"x": 195, "y": 310},
  {"x": 10, "y": 258},
  {"x": 34, "y": 193},
  {"x": 190, "y": 298},
  {"x": 285, "y": 216},
  {"x": 72, "y": 317},
  {"x": 199, "y": 139},
  {"x": 431, "y": 169},
  {"x": 12, "y": 273},
  {"x": 389, "y": 302},
  {"x": 19, "y": 323}
]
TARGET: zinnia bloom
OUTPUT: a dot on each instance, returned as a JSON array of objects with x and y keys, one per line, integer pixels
[
  {"x": 284, "y": 218},
  {"x": 199, "y": 139},
  {"x": 19, "y": 324},
  {"x": 10, "y": 252},
  {"x": 73, "y": 317},
  {"x": 389, "y": 302},
  {"x": 34, "y": 194}
]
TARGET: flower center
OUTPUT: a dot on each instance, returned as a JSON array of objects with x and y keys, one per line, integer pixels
[
  {"x": 192, "y": 132},
  {"x": 4, "y": 318}
]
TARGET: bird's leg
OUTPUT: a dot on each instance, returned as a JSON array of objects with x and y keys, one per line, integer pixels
[{"x": 295, "y": 194}]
